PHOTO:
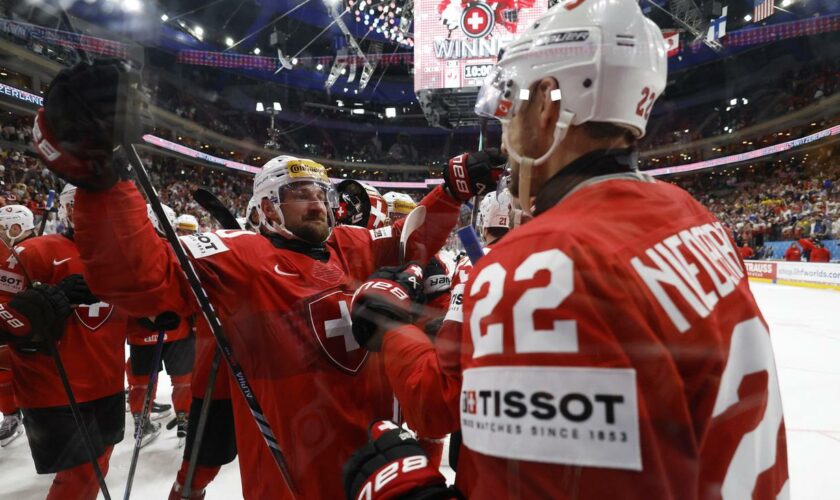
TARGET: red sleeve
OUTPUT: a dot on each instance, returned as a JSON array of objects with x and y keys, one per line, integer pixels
[
  {"x": 806, "y": 244},
  {"x": 126, "y": 263},
  {"x": 441, "y": 215},
  {"x": 427, "y": 393}
]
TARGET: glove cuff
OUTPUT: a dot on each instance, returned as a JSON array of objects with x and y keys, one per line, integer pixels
[
  {"x": 13, "y": 321},
  {"x": 49, "y": 149}
]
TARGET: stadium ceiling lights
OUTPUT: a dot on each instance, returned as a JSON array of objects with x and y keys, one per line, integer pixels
[
  {"x": 391, "y": 112},
  {"x": 385, "y": 17},
  {"x": 229, "y": 41}
]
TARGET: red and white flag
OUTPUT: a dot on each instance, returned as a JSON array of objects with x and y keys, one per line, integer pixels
[
  {"x": 762, "y": 9},
  {"x": 672, "y": 42}
]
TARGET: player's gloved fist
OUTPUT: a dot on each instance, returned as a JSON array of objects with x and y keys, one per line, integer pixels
[
  {"x": 385, "y": 301},
  {"x": 36, "y": 315},
  {"x": 165, "y": 321},
  {"x": 89, "y": 110},
  {"x": 474, "y": 174},
  {"x": 76, "y": 290},
  {"x": 393, "y": 465}
]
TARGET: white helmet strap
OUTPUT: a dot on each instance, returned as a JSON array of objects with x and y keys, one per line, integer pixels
[{"x": 527, "y": 164}]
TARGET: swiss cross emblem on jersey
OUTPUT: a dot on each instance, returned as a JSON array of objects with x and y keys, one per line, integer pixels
[
  {"x": 477, "y": 20},
  {"x": 93, "y": 315},
  {"x": 329, "y": 317}
]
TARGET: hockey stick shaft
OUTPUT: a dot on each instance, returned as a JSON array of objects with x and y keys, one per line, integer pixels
[
  {"x": 210, "y": 315},
  {"x": 202, "y": 424},
  {"x": 68, "y": 390},
  {"x": 218, "y": 211},
  {"x": 50, "y": 201},
  {"x": 141, "y": 419}
]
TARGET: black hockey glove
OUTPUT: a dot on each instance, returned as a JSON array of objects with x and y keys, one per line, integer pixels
[
  {"x": 386, "y": 300},
  {"x": 437, "y": 279},
  {"x": 89, "y": 110},
  {"x": 76, "y": 290},
  {"x": 474, "y": 174},
  {"x": 166, "y": 321},
  {"x": 36, "y": 315},
  {"x": 393, "y": 465}
]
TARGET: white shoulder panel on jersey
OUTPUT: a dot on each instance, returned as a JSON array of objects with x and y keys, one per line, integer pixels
[
  {"x": 382, "y": 232},
  {"x": 203, "y": 245}
]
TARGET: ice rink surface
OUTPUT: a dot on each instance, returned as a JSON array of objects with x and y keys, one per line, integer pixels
[{"x": 805, "y": 326}]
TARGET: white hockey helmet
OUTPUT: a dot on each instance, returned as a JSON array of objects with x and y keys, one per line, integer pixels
[
  {"x": 495, "y": 210},
  {"x": 66, "y": 200},
  {"x": 252, "y": 216},
  {"x": 186, "y": 222},
  {"x": 279, "y": 174},
  {"x": 609, "y": 61},
  {"x": 12, "y": 215},
  {"x": 399, "y": 204},
  {"x": 170, "y": 216}
]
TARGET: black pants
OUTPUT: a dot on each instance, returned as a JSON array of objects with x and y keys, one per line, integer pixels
[
  {"x": 218, "y": 445},
  {"x": 178, "y": 356},
  {"x": 56, "y": 441}
]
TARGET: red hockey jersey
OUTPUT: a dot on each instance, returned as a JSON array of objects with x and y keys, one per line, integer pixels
[
  {"x": 92, "y": 347},
  {"x": 140, "y": 336},
  {"x": 286, "y": 315},
  {"x": 612, "y": 349}
]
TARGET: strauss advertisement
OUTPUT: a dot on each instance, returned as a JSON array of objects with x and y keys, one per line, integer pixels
[{"x": 457, "y": 41}]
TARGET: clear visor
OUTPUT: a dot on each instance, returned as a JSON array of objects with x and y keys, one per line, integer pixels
[
  {"x": 496, "y": 97},
  {"x": 309, "y": 191}
]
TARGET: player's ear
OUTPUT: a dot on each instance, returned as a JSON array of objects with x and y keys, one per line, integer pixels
[
  {"x": 549, "y": 110},
  {"x": 268, "y": 209}
]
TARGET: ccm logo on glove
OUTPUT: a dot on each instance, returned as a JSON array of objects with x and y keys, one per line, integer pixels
[
  {"x": 10, "y": 318},
  {"x": 386, "y": 287}
]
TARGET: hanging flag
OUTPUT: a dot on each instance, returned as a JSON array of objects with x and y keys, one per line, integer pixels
[
  {"x": 672, "y": 42},
  {"x": 762, "y": 9},
  {"x": 717, "y": 27}
]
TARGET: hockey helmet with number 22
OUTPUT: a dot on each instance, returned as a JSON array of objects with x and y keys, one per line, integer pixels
[{"x": 609, "y": 62}]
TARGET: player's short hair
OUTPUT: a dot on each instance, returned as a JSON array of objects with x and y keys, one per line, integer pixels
[{"x": 606, "y": 131}]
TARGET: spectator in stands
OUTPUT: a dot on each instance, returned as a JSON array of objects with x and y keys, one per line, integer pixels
[{"x": 793, "y": 254}]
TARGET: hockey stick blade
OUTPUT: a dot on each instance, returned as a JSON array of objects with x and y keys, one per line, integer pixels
[
  {"x": 215, "y": 208},
  {"x": 412, "y": 222}
]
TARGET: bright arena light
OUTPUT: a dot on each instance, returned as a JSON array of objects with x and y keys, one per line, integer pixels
[
  {"x": 132, "y": 5},
  {"x": 391, "y": 112},
  {"x": 229, "y": 41}
]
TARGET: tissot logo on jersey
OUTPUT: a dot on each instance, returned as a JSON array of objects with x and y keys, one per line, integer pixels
[
  {"x": 204, "y": 244},
  {"x": 579, "y": 416}
]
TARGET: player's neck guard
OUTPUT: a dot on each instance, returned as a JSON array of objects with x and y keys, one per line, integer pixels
[
  {"x": 316, "y": 251},
  {"x": 593, "y": 164}
]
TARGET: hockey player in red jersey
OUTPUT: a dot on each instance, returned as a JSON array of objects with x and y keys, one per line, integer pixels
[
  {"x": 177, "y": 356},
  {"x": 90, "y": 340},
  {"x": 611, "y": 346},
  {"x": 17, "y": 224},
  {"x": 283, "y": 299}
]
